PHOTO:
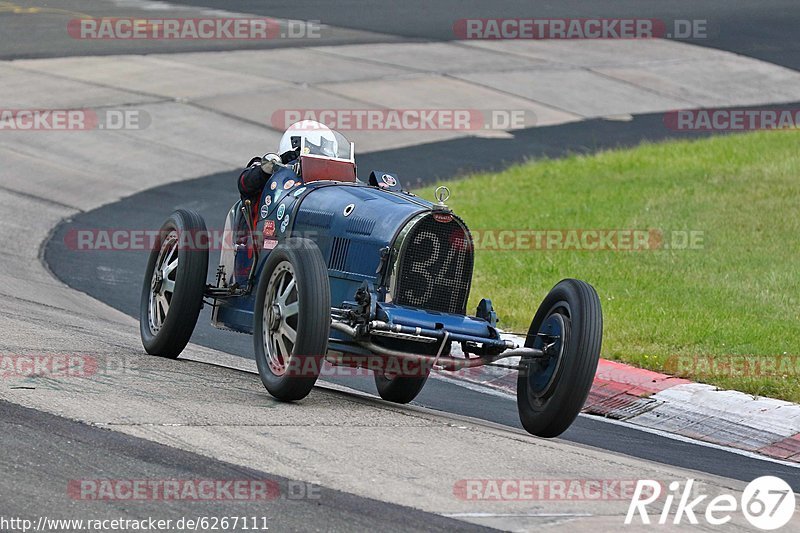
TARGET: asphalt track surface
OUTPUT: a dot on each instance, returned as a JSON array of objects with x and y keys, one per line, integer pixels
[
  {"x": 764, "y": 30},
  {"x": 115, "y": 277},
  {"x": 37, "y": 29},
  {"x": 54, "y": 451}
]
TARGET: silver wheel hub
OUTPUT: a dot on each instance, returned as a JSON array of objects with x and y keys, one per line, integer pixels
[
  {"x": 281, "y": 315},
  {"x": 162, "y": 283},
  {"x": 275, "y": 317}
]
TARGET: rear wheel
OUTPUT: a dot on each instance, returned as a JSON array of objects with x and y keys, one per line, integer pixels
[
  {"x": 398, "y": 388},
  {"x": 401, "y": 380},
  {"x": 569, "y": 327},
  {"x": 292, "y": 319},
  {"x": 175, "y": 279}
]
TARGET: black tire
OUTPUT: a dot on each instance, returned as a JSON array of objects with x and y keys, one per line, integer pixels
[
  {"x": 399, "y": 389},
  {"x": 401, "y": 380},
  {"x": 551, "y": 394},
  {"x": 310, "y": 323},
  {"x": 167, "y": 333}
]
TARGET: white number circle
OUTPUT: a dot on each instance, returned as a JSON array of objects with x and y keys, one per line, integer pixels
[{"x": 768, "y": 502}]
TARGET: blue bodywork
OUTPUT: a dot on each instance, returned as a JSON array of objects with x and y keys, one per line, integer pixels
[{"x": 355, "y": 226}]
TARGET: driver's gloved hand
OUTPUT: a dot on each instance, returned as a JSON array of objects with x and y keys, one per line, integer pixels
[
  {"x": 268, "y": 163},
  {"x": 290, "y": 156}
]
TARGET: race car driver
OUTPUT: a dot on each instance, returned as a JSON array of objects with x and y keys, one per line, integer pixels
[{"x": 253, "y": 179}]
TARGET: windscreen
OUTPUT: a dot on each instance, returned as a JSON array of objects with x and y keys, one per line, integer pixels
[{"x": 330, "y": 143}]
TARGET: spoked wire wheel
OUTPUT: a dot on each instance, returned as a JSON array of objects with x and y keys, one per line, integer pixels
[
  {"x": 174, "y": 284},
  {"x": 162, "y": 283},
  {"x": 281, "y": 308},
  {"x": 292, "y": 319}
]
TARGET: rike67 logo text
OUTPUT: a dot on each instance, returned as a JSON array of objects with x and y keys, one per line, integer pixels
[{"x": 767, "y": 503}]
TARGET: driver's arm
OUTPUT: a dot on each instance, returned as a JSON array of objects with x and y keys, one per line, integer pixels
[{"x": 255, "y": 176}]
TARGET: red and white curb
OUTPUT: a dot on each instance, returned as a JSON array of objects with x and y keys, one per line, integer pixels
[{"x": 678, "y": 406}]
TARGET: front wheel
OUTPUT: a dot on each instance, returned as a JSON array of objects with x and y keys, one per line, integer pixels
[
  {"x": 175, "y": 279},
  {"x": 292, "y": 319},
  {"x": 569, "y": 328}
]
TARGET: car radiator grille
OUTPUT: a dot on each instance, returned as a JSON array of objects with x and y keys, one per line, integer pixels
[{"x": 435, "y": 265}]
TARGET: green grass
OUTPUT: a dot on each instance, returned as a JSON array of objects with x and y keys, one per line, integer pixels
[{"x": 737, "y": 295}]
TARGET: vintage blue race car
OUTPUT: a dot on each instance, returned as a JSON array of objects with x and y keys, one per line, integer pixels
[{"x": 330, "y": 268}]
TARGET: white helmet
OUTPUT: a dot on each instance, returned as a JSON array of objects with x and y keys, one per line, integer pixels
[{"x": 317, "y": 136}]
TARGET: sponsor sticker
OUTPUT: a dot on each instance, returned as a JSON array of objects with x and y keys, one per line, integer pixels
[
  {"x": 289, "y": 184},
  {"x": 299, "y": 191},
  {"x": 389, "y": 180},
  {"x": 273, "y": 185},
  {"x": 281, "y": 211},
  {"x": 269, "y": 228},
  {"x": 265, "y": 209},
  {"x": 270, "y": 244},
  {"x": 268, "y": 200},
  {"x": 284, "y": 224}
]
